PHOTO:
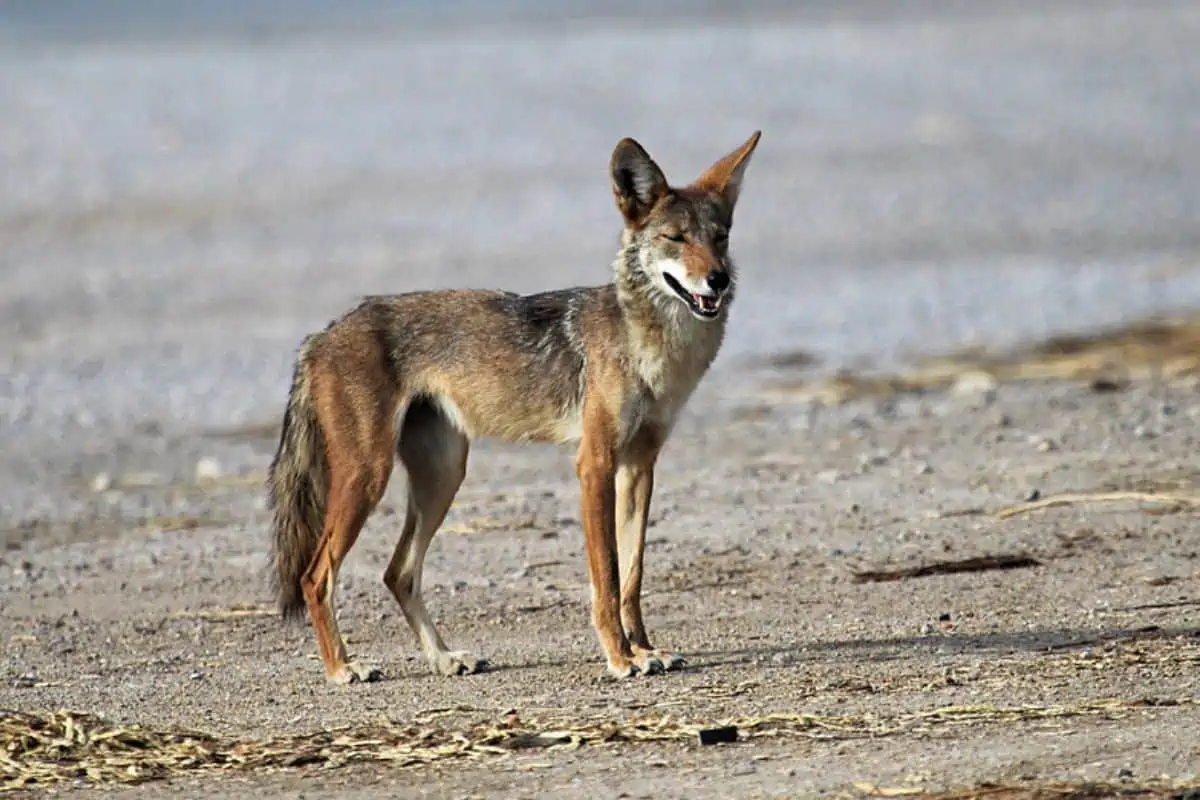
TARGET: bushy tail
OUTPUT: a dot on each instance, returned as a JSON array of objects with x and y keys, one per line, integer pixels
[{"x": 297, "y": 487}]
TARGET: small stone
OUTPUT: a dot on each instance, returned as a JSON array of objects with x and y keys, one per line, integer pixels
[
  {"x": 974, "y": 383},
  {"x": 102, "y": 482},
  {"x": 876, "y": 459},
  {"x": 829, "y": 476},
  {"x": 197, "y": 675},
  {"x": 208, "y": 469},
  {"x": 1033, "y": 496},
  {"x": 710, "y": 736},
  {"x": 1142, "y": 432},
  {"x": 924, "y": 469}
]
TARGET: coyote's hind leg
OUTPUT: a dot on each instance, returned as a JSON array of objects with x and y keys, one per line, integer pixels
[
  {"x": 359, "y": 428},
  {"x": 434, "y": 453}
]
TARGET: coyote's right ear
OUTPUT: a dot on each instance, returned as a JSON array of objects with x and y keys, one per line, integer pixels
[{"x": 637, "y": 181}]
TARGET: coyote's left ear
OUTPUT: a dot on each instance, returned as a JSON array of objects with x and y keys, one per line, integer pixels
[{"x": 725, "y": 176}]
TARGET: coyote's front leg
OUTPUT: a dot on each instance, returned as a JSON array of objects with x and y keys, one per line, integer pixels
[
  {"x": 596, "y": 468},
  {"x": 634, "y": 487}
]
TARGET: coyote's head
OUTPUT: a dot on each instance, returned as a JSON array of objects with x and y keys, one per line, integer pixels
[{"x": 676, "y": 240}]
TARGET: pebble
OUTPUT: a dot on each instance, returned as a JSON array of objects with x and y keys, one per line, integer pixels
[
  {"x": 208, "y": 469},
  {"x": 974, "y": 384},
  {"x": 829, "y": 476},
  {"x": 102, "y": 482},
  {"x": 876, "y": 459},
  {"x": 1042, "y": 444}
]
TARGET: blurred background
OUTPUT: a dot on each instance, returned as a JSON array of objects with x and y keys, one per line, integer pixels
[{"x": 187, "y": 188}]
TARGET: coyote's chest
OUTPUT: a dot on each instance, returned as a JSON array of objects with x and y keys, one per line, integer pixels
[{"x": 667, "y": 368}]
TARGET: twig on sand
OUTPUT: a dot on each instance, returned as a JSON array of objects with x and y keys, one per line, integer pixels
[
  {"x": 528, "y": 522},
  {"x": 1085, "y": 790},
  {"x": 1175, "y": 500},
  {"x": 182, "y": 522},
  {"x": 230, "y": 613},
  {"x": 975, "y": 564}
]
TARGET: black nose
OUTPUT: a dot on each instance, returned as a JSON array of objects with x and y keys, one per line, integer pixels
[{"x": 718, "y": 280}]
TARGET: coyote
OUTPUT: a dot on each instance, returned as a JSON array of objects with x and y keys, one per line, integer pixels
[{"x": 418, "y": 375}]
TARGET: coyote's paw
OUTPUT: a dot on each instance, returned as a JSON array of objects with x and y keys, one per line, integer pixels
[
  {"x": 624, "y": 668},
  {"x": 665, "y": 661},
  {"x": 353, "y": 672},
  {"x": 458, "y": 662},
  {"x": 649, "y": 663}
]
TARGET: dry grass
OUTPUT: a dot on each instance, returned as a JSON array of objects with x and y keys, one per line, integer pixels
[
  {"x": 1158, "y": 501},
  {"x": 1167, "y": 349},
  {"x": 1064, "y": 791},
  {"x": 524, "y": 522},
  {"x": 1171, "y": 500},
  {"x": 39, "y": 750}
]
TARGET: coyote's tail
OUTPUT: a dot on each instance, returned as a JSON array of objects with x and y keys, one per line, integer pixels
[{"x": 297, "y": 488}]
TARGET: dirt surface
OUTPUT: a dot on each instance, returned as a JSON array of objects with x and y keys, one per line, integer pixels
[
  {"x": 763, "y": 516},
  {"x": 176, "y": 214}
]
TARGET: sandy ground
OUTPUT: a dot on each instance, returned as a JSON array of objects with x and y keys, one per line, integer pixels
[
  {"x": 759, "y": 524},
  {"x": 174, "y": 218}
]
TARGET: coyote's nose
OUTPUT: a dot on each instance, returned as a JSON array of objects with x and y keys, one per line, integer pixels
[{"x": 718, "y": 280}]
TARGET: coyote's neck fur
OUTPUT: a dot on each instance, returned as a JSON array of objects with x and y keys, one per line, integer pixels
[{"x": 670, "y": 349}]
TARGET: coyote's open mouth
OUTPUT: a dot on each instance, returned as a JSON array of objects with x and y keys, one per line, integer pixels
[{"x": 702, "y": 305}]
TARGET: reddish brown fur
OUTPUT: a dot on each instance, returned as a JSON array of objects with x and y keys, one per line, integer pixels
[{"x": 417, "y": 376}]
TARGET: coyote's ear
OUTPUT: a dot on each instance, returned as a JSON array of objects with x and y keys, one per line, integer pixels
[
  {"x": 725, "y": 176},
  {"x": 637, "y": 181}
]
